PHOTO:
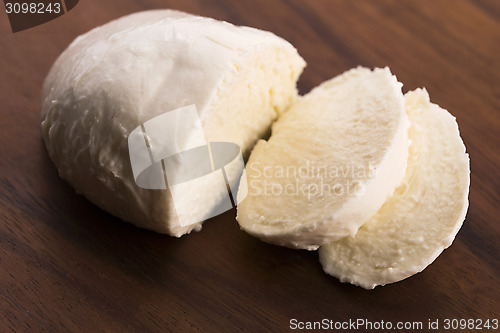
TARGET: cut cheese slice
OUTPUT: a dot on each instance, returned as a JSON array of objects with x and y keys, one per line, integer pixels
[
  {"x": 423, "y": 216},
  {"x": 331, "y": 162},
  {"x": 117, "y": 77}
]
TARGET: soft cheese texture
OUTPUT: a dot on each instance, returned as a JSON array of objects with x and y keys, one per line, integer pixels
[
  {"x": 332, "y": 160},
  {"x": 423, "y": 216},
  {"x": 117, "y": 76}
]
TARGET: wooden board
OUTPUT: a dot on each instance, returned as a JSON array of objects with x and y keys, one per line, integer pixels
[{"x": 66, "y": 265}]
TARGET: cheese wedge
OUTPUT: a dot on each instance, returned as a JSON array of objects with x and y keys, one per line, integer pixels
[
  {"x": 116, "y": 77},
  {"x": 423, "y": 216},
  {"x": 331, "y": 162}
]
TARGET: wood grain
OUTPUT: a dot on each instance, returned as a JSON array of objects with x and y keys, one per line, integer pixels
[{"x": 65, "y": 265}]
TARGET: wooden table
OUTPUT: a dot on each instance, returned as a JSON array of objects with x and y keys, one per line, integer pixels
[{"x": 66, "y": 265}]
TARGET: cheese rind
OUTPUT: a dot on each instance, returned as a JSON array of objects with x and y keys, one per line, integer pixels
[
  {"x": 332, "y": 160},
  {"x": 423, "y": 216},
  {"x": 114, "y": 78}
]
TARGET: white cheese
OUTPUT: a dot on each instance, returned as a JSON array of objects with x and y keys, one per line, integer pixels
[
  {"x": 423, "y": 216},
  {"x": 331, "y": 162},
  {"x": 114, "y": 78}
]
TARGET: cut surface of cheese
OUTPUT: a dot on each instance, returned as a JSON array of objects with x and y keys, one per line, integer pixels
[
  {"x": 116, "y": 77},
  {"x": 332, "y": 160},
  {"x": 423, "y": 216}
]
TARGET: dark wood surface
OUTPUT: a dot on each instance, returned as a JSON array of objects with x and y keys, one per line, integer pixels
[{"x": 66, "y": 265}]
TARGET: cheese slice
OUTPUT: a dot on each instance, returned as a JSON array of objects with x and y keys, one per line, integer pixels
[
  {"x": 331, "y": 162},
  {"x": 116, "y": 77},
  {"x": 423, "y": 216}
]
